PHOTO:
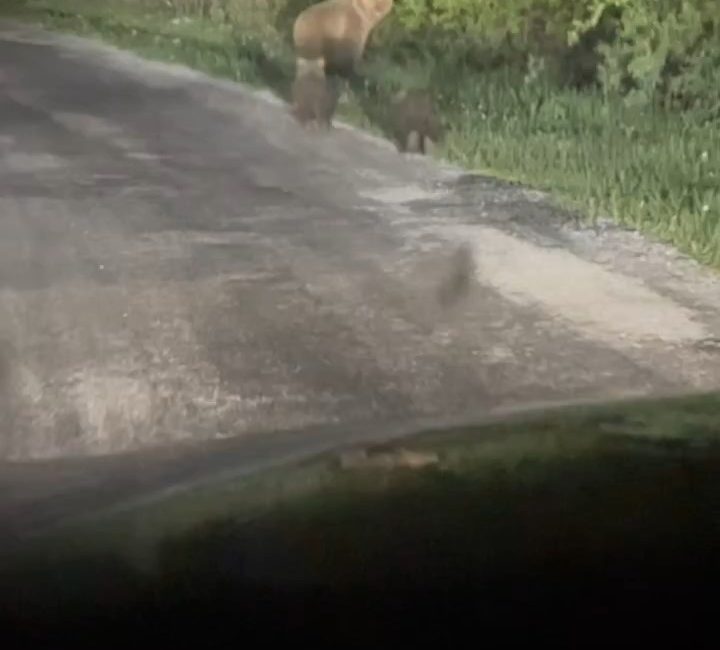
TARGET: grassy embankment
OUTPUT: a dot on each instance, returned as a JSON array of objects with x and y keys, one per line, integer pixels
[{"x": 651, "y": 169}]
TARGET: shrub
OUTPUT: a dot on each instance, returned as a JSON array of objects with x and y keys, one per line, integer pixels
[
  {"x": 646, "y": 51},
  {"x": 663, "y": 51}
]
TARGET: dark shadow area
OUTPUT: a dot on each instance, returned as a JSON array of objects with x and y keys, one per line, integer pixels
[{"x": 617, "y": 546}]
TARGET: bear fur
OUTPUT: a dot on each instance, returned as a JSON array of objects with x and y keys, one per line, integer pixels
[
  {"x": 336, "y": 32},
  {"x": 314, "y": 96},
  {"x": 415, "y": 125}
]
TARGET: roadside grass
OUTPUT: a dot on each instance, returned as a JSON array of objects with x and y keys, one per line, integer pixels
[{"x": 652, "y": 170}]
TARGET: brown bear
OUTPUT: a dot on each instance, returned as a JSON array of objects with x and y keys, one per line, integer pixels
[
  {"x": 414, "y": 122},
  {"x": 314, "y": 96},
  {"x": 336, "y": 32}
]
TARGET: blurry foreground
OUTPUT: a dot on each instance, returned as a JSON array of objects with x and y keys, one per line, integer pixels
[{"x": 576, "y": 523}]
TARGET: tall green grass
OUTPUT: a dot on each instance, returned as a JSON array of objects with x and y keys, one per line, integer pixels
[{"x": 647, "y": 168}]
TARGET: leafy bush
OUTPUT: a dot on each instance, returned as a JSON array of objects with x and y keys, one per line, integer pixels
[
  {"x": 647, "y": 51},
  {"x": 492, "y": 32},
  {"x": 665, "y": 51}
]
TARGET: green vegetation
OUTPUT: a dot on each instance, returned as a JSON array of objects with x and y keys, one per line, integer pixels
[
  {"x": 612, "y": 105},
  {"x": 586, "y": 494}
]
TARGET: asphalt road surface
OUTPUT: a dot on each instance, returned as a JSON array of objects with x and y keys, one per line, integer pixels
[{"x": 179, "y": 261}]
